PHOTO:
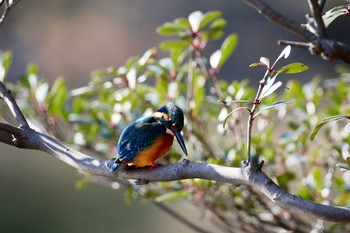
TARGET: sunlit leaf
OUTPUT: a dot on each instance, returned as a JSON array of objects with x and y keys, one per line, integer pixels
[
  {"x": 344, "y": 166},
  {"x": 32, "y": 68},
  {"x": 265, "y": 61},
  {"x": 57, "y": 96},
  {"x": 257, "y": 64},
  {"x": 170, "y": 29},
  {"x": 284, "y": 179},
  {"x": 149, "y": 54},
  {"x": 347, "y": 127},
  {"x": 195, "y": 19},
  {"x": 318, "y": 177},
  {"x": 285, "y": 53},
  {"x": 215, "y": 58},
  {"x": 332, "y": 14},
  {"x": 174, "y": 44},
  {"x": 227, "y": 48},
  {"x": 275, "y": 105},
  {"x": 305, "y": 192},
  {"x": 172, "y": 196},
  {"x": 325, "y": 121},
  {"x": 293, "y": 68},
  {"x": 41, "y": 92},
  {"x": 272, "y": 89},
  {"x": 218, "y": 24},
  {"x": 209, "y": 17},
  {"x": 5, "y": 60},
  {"x": 269, "y": 82}
]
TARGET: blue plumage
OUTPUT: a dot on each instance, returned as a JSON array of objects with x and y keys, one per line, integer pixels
[{"x": 148, "y": 132}]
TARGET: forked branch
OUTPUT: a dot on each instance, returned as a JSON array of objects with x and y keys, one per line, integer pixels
[{"x": 247, "y": 174}]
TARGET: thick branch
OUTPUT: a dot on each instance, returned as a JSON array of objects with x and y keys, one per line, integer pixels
[
  {"x": 317, "y": 21},
  {"x": 318, "y": 44},
  {"x": 281, "y": 20},
  {"x": 247, "y": 174}
]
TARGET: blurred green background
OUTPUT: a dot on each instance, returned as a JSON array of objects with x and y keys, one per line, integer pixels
[{"x": 72, "y": 38}]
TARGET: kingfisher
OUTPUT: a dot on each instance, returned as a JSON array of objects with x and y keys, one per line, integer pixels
[{"x": 150, "y": 137}]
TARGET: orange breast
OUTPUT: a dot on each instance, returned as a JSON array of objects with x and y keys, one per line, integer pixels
[{"x": 151, "y": 154}]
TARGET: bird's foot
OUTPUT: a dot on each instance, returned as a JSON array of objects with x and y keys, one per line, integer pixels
[{"x": 154, "y": 165}]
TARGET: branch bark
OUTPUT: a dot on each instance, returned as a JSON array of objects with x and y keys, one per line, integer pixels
[
  {"x": 317, "y": 44},
  {"x": 247, "y": 174},
  {"x": 8, "y": 5}
]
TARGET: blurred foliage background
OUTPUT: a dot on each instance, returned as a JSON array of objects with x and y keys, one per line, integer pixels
[{"x": 72, "y": 39}]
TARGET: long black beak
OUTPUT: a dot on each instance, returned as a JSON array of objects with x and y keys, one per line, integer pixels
[
  {"x": 180, "y": 140},
  {"x": 177, "y": 134}
]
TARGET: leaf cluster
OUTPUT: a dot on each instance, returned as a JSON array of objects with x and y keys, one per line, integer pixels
[{"x": 93, "y": 116}]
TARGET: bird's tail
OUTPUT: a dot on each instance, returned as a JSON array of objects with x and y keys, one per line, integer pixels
[{"x": 113, "y": 165}]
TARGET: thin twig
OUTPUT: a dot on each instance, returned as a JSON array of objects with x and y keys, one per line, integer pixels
[
  {"x": 316, "y": 13},
  {"x": 294, "y": 43},
  {"x": 8, "y": 6},
  {"x": 12, "y": 104},
  {"x": 256, "y": 102}
]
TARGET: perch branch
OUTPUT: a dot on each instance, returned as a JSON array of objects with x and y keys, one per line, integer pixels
[{"x": 247, "y": 174}]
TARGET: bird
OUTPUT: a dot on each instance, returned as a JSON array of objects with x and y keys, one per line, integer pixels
[{"x": 150, "y": 137}]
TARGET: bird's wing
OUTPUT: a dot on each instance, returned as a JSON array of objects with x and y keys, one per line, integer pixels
[{"x": 138, "y": 136}]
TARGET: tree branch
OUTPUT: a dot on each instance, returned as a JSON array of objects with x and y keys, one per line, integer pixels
[
  {"x": 247, "y": 174},
  {"x": 7, "y": 7},
  {"x": 319, "y": 44},
  {"x": 316, "y": 18},
  {"x": 281, "y": 20},
  {"x": 11, "y": 103}
]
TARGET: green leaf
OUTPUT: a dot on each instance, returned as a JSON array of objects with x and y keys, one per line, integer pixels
[
  {"x": 257, "y": 64},
  {"x": 183, "y": 22},
  {"x": 344, "y": 165},
  {"x": 147, "y": 56},
  {"x": 57, "y": 97},
  {"x": 5, "y": 60},
  {"x": 275, "y": 105},
  {"x": 272, "y": 89},
  {"x": 227, "y": 48},
  {"x": 32, "y": 68},
  {"x": 172, "y": 196},
  {"x": 174, "y": 44},
  {"x": 171, "y": 29},
  {"x": 332, "y": 14},
  {"x": 318, "y": 177},
  {"x": 347, "y": 127},
  {"x": 209, "y": 17},
  {"x": 293, "y": 68},
  {"x": 325, "y": 121},
  {"x": 218, "y": 24},
  {"x": 41, "y": 92},
  {"x": 284, "y": 179},
  {"x": 305, "y": 192}
]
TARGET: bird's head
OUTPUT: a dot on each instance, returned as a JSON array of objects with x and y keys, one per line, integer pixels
[{"x": 172, "y": 117}]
